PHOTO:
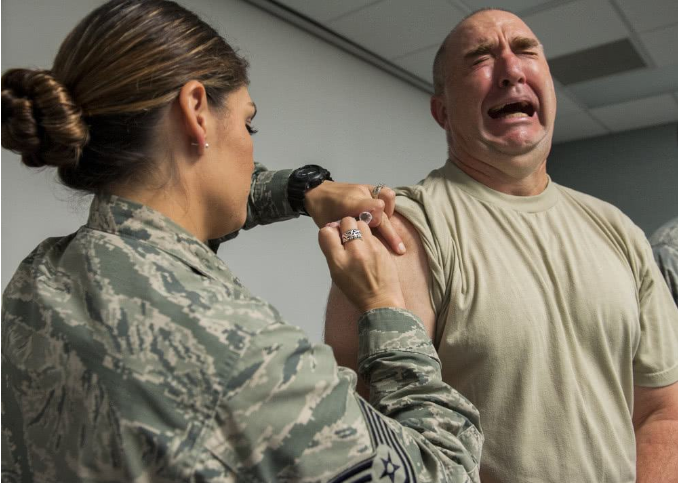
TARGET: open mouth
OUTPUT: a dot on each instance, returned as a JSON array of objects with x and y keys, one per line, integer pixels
[{"x": 513, "y": 109}]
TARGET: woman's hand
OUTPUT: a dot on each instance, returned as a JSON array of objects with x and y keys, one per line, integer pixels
[
  {"x": 362, "y": 268},
  {"x": 331, "y": 201}
]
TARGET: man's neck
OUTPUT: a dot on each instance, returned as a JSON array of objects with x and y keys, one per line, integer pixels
[{"x": 531, "y": 183}]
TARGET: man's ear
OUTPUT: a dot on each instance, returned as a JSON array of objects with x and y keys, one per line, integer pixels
[
  {"x": 439, "y": 111},
  {"x": 194, "y": 112}
]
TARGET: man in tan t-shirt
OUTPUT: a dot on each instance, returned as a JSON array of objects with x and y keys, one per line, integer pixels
[{"x": 544, "y": 304}]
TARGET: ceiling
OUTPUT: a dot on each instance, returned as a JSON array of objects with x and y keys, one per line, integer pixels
[{"x": 614, "y": 62}]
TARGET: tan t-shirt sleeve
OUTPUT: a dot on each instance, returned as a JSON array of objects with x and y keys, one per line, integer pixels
[{"x": 411, "y": 204}]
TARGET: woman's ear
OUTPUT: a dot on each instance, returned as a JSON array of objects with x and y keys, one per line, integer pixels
[{"x": 195, "y": 113}]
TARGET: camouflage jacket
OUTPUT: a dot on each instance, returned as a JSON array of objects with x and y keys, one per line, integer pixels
[
  {"x": 130, "y": 352},
  {"x": 665, "y": 248}
]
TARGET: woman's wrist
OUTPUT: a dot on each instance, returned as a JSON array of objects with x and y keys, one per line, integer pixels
[{"x": 383, "y": 303}]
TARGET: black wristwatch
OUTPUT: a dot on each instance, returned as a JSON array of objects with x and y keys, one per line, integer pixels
[{"x": 301, "y": 180}]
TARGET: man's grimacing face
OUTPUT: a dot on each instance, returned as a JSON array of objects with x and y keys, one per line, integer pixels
[{"x": 499, "y": 95}]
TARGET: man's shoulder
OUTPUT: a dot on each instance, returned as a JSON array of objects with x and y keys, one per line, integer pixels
[
  {"x": 595, "y": 206},
  {"x": 432, "y": 181}
]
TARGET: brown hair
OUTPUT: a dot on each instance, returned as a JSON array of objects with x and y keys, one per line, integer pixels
[{"x": 94, "y": 114}]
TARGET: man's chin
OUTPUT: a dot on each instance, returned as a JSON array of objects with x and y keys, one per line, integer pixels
[{"x": 516, "y": 145}]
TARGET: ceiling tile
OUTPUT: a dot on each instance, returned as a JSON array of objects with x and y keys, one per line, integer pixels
[
  {"x": 565, "y": 103},
  {"x": 576, "y": 26},
  {"x": 649, "y": 14},
  {"x": 627, "y": 86},
  {"x": 515, "y": 6},
  {"x": 398, "y": 27},
  {"x": 419, "y": 63},
  {"x": 661, "y": 44},
  {"x": 576, "y": 126},
  {"x": 324, "y": 10},
  {"x": 638, "y": 113}
]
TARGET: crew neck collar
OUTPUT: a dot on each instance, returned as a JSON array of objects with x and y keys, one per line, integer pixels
[{"x": 528, "y": 204}]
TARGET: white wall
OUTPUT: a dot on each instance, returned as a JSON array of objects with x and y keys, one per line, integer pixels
[{"x": 316, "y": 104}]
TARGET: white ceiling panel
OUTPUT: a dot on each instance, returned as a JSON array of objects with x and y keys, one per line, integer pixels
[
  {"x": 515, "y": 6},
  {"x": 646, "y": 15},
  {"x": 397, "y": 27},
  {"x": 662, "y": 44},
  {"x": 419, "y": 63},
  {"x": 576, "y": 126},
  {"x": 324, "y": 10},
  {"x": 638, "y": 113},
  {"x": 624, "y": 87},
  {"x": 565, "y": 104},
  {"x": 577, "y": 26}
]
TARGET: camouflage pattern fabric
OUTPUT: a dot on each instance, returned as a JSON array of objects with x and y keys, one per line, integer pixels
[
  {"x": 267, "y": 202},
  {"x": 665, "y": 249},
  {"x": 131, "y": 353}
]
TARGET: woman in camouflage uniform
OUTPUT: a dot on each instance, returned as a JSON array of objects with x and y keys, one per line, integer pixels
[{"x": 131, "y": 352}]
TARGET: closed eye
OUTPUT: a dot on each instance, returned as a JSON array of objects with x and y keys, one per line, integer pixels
[{"x": 251, "y": 130}]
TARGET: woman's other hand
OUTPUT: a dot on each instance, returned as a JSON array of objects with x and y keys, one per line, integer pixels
[
  {"x": 331, "y": 201},
  {"x": 362, "y": 268}
]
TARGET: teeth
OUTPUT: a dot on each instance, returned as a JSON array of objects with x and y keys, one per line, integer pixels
[
  {"x": 516, "y": 114},
  {"x": 499, "y": 108}
]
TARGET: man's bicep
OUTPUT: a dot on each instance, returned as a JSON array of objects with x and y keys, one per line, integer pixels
[
  {"x": 341, "y": 318},
  {"x": 415, "y": 274}
]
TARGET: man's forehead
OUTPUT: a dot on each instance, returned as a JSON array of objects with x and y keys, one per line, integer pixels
[{"x": 484, "y": 26}]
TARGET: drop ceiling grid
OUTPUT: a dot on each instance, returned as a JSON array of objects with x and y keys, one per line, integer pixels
[
  {"x": 324, "y": 11},
  {"x": 662, "y": 44},
  {"x": 577, "y": 26},
  {"x": 649, "y": 15},
  {"x": 392, "y": 29}
]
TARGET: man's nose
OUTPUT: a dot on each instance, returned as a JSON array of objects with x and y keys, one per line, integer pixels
[{"x": 510, "y": 70}]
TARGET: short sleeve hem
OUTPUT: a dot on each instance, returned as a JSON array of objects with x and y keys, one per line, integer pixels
[{"x": 657, "y": 379}]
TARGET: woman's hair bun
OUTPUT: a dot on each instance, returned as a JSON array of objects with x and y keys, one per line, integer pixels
[{"x": 40, "y": 120}]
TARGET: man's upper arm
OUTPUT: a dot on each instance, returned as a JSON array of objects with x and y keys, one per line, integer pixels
[
  {"x": 341, "y": 331},
  {"x": 654, "y": 403}
]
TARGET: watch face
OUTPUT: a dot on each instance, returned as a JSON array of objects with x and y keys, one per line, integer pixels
[{"x": 307, "y": 172}]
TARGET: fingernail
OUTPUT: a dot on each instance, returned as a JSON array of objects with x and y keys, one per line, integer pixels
[
  {"x": 365, "y": 216},
  {"x": 401, "y": 248},
  {"x": 332, "y": 224}
]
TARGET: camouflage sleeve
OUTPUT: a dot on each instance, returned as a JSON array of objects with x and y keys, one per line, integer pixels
[
  {"x": 289, "y": 414},
  {"x": 267, "y": 202},
  {"x": 268, "y": 197},
  {"x": 667, "y": 259}
]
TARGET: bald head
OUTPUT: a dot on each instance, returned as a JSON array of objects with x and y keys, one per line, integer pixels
[{"x": 439, "y": 62}]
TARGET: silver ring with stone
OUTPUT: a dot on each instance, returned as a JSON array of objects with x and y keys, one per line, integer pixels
[
  {"x": 352, "y": 234},
  {"x": 376, "y": 190}
]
